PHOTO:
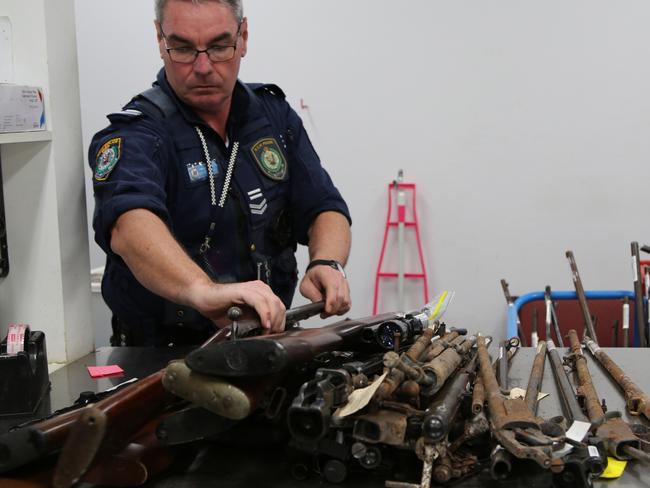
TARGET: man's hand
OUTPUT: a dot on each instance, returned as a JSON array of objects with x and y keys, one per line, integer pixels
[
  {"x": 326, "y": 283},
  {"x": 214, "y": 300}
]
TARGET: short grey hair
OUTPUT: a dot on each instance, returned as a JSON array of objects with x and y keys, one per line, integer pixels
[{"x": 236, "y": 6}]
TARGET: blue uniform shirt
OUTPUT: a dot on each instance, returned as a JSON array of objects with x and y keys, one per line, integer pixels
[{"x": 151, "y": 156}]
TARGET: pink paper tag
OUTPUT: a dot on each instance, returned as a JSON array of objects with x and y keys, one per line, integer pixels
[{"x": 103, "y": 371}]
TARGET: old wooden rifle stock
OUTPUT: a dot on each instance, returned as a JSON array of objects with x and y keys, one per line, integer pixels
[
  {"x": 127, "y": 412},
  {"x": 233, "y": 378}
]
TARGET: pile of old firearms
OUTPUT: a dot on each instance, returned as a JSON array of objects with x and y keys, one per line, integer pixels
[{"x": 367, "y": 394}]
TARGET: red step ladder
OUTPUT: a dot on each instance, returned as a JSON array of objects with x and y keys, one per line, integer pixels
[{"x": 397, "y": 190}]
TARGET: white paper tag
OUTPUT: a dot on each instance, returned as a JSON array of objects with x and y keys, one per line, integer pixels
[
  {"x": 359, "y": 398},
  {"x": 578, "y": 431},
  {"x": 521, "y": 393},
  {"x": 593, "y": 451}
]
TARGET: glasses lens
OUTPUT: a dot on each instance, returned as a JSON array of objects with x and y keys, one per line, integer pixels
[
  {"x": 221, "y": 53},
  {"x": 182, "y": 55}
]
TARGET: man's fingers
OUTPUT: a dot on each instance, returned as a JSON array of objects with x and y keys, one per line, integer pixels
[{"x": 310, "y": 291}]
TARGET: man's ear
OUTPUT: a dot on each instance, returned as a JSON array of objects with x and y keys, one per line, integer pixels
[
  {"x": 159, "y": 37},
  {"x": 243, "y": 32}
]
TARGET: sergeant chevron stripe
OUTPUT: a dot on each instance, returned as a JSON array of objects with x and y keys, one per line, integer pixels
[{"x": 257, "y": 208}]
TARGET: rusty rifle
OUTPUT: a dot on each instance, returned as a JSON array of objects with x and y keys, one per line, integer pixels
[
  {"x": 511, "y": 303},
  {"x": 126, "y": 410},
  {"x": 233, "y": 378},
  {"x": 638, "y": 295},
  {"x": 511, "y": 421},
  {"x": 618, "y": 438},
  {"x": 636, "y": 401},
  {"x": 535, "y": 379},
  {"x": 582, "y": 299},
  {"x": 551, "y": 317}
]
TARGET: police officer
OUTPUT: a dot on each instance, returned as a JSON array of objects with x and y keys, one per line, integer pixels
[{"x": 203, "y": 187}]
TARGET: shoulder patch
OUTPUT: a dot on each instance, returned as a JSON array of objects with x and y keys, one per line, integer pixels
[
  {"x": 107, "y": 158},
  {"x": 270, "y": 159}
]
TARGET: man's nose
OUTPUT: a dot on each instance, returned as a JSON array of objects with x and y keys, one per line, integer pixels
[{"x": 202, "y": 63}]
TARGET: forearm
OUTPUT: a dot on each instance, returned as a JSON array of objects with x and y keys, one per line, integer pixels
[
  {"x": 156, "y": 259},
  {"x": 330, "y": 237}
]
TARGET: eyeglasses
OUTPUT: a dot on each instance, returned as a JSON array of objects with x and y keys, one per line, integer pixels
[{"x": 216, "y": 54}]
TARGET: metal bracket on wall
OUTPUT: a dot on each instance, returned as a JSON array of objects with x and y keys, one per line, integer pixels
[{"x": 4, "y": 254}]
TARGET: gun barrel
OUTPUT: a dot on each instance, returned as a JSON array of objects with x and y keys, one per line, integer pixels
[
  {"x": 441, "y": 412},
  {"x": 636, "y": 400},
  {"x": 582, "y": 299},
  {"x": 535, "y": 379},
  {"x": 615, "y": 433},
  {"x": 638, "y": 295},
  {"x": 570, "y": 406}
]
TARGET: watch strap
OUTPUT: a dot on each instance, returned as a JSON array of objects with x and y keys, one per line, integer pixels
[{"x": 327, "y": 262}]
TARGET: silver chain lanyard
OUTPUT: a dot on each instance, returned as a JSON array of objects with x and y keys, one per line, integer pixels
[{"x": 226, "y": 183}]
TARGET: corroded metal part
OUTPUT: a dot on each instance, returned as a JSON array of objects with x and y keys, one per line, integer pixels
[
  {"x": 442, "y": 411},
  {"x": 615, "y": 433},
  {"x": 478, "y": 396},
  {"x": 393, "y": 361},
  {"x": 442, "y": 367},
  {"x": 535, "y": 379},
  {"x": 383, "y": 426},
  {"x": 636, "y": 401},
  {"x": 582, "y": 299},
  {"x": 511, "y": 420},
  {"x": 416, "y": 351},
  {"x": 442, "y": 344},
  {"x": 390, "y": 384}
]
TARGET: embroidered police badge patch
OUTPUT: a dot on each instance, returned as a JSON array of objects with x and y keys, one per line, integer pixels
[
  {"x": 270, "y": 159},
  {"x": 107, "y": 157}
]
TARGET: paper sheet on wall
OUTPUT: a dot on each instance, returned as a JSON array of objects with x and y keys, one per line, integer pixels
[{"x": 6, "y": 51}]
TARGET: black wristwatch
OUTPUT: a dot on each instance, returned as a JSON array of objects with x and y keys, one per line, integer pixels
[{"x": 327, "y": 262}]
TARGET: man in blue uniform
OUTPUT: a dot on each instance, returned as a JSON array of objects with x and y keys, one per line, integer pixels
[{"x": 204, "y": 185}]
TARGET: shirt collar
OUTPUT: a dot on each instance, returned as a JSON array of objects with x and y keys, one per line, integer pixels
[{"x": 238, "y": 107}]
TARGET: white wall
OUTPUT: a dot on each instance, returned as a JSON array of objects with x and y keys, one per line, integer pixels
[
  {"x": 47, "y": 286},
  {"x": 526, "y": 125}
]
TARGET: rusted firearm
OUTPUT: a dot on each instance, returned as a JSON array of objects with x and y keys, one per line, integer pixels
[
  {"x": 439, "y": 345},
  {"x": 512, "y": 423},
  {"x": 35, "y": 441},
  {"x": 551, "y": 317},
  {"x": 309, "y": 415},
  {"x": 233, "y": 378},
  {"x": 126, "y": 411},
  {"x": 442, "y": 367},
  {"x": 535, "y": 379},
  {"x": 582, "y": 299},
  {"x": 478, "y": 391},
  {"x": 440, "y": 414},
  {"x": 638, "y": 295},
  {"x": 433, "y": 374},
  {"x": 263, "y": 356},
  {"x": 395, "y": 376},
  {"x": 511, "y": 303},
  {"x": 618, "y": 438},
  {"x": 636, "y": 401},
  {"x": 570, "y": 406}
]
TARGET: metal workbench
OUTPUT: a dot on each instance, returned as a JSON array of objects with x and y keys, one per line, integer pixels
[{"x": 256, "y": 464}]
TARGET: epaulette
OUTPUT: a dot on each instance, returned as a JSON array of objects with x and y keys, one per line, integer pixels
[
  {"x": 274, "y": 90},
  {"x": 125, "y": 115}
]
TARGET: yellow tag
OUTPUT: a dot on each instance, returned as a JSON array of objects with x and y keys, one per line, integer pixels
[{"x": 614, "y": 468}]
